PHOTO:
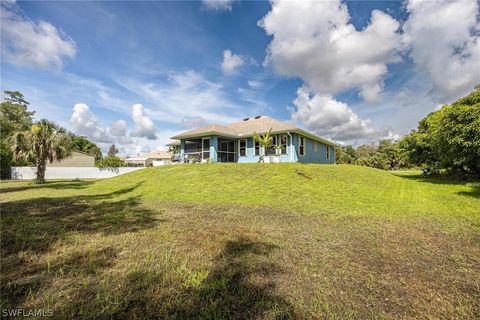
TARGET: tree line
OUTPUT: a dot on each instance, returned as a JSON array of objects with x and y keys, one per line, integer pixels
[
  {"x": 445, "y": 141},
  {"x": 24, "y": 142}
]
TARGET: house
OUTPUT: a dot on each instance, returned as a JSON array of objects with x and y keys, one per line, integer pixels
[
  {"x": 152, "y": 159},
  {"x": 235, "y": 143},
  {"x": 76, "y": 159}
]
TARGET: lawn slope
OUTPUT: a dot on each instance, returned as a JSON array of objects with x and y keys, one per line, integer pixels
[
  {"x": 312, "y": 189},
  {"x": 229, "y": 241}
]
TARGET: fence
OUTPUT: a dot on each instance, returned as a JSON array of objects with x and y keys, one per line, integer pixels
[{"x": 28, "y": 173}]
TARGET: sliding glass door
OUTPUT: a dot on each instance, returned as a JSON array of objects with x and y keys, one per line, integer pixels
[{"x": 226, "y": 150}]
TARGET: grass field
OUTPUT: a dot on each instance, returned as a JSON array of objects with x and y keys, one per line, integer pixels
[{"x": 249, "y": 241}]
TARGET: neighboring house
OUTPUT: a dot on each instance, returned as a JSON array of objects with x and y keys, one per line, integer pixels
[
  {"x": 234, "y": 143},
  {"x": 76, "y": 159},
  {"x": 153, "y": 159}
]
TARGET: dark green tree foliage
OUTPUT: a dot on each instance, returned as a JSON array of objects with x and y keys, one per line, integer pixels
[
  {"x": 448, "y": 138},
  {"x": 84, "y": 145},
  {"x": 345, "y": 154},
  {"x": 43, "y": 143},
  {"x": 14, "y": 117},
  {"x": 386, "y": 155},
  {"x": 109, "y": 162}
]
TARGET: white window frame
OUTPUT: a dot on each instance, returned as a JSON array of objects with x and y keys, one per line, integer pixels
[
  {"x": 255, "y": 149},
  {"x": 300, "y": 138},
  {"x": 246, "y": 148},
  {"x": 327, "y": 154}
]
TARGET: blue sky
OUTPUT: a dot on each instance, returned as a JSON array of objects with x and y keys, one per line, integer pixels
[{"x": 136, "y": 73}]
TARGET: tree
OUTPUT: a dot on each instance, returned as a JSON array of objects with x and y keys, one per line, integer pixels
[
  {"x": 14, "y": 117},
  {"x": 458, "y": 136},
  {"x": 82, "y": 144},
  {"x": 43, "y": 142},
  {"x": 449, "y": 138},
  {"x": 345, "y": 154},
  {"x": 112, "y": 151},
  {"x": 389, "y": 155},
  {"x": 386, "y": 155},
  {"x": 265, "y": 141}
]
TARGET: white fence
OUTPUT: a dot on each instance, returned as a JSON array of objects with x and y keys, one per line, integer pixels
[{"x": 28, "y": 173}]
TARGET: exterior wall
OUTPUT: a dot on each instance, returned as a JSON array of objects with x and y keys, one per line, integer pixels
[
  {"x": 28, "y": 173},
  {"x": 163, "y": 162},
  {"x": 311, "y": 156},
  {"x": 251, "y": 157},
  {"x": 77, "y": 159}
]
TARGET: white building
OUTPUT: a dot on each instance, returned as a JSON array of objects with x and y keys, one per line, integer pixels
[{"x": 152, "y": 159}]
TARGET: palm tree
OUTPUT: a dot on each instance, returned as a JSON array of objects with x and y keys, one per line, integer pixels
[
  {"x": 43, "y": 142},
  {"x": 265, "y": 141}
]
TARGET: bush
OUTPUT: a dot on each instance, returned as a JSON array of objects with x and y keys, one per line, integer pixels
[{"x": 110, "y": 162}]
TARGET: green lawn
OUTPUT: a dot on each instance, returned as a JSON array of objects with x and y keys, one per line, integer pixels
[{"x": 249, "y": 241}]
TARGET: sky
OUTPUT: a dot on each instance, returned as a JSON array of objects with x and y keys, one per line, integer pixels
[{"x": 136, "y": 73}]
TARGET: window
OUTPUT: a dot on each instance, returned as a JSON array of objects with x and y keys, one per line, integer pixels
[
  {"x": 283, "y": 143},
  {"x": 301, "y": 146},
  {"x": 242, "y": 148},
  {"x": 271, "y": 148},
  {"x": 315, "y": 146},
  {"x": 328, "y": 152},
  {"x": 205, "y": 148},
  {"x": 257, "y": 147}
]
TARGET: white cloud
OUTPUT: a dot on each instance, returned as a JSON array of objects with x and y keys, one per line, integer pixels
[
  {"x": 186, "y": 95},
  {"x": 118, "y": 128},
  {"x": 218, "y": 5},
  {"x": 255, "y": 83},
  {"x": 327, "y": 117},
  {"x": 314, "y": 40},
  {"x": 231, "y": 62},
  {"x": 32, "y": 43},
  {"x": 86, "y": 123},
  {"x": 143, "y": 126},
  {"x": 444, "y": 37},
  {"x": 194, "y": 122}
]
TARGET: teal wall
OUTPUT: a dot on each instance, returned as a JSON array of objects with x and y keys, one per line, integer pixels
[
  {"x": 250, "y": 157},
  {"x": 311, "y": 155}
]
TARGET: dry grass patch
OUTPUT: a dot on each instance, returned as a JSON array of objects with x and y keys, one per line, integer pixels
[{"x": 237, "y": 262}]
